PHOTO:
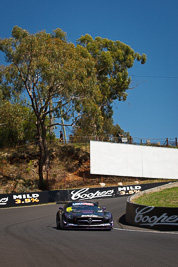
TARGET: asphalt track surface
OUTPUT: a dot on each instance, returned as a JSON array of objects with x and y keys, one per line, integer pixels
[{"x": 28, "y": 237}]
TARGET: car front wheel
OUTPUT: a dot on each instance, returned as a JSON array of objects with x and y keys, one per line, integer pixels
[{"x": 57, "y": 222}]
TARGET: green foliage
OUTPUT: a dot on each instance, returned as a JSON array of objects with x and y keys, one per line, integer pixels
[
  {"x": 58, "y": 33},
  {"x": 76, "y": 84},
  {"x": 112, "y": 61},
  {"x": 113, "y": 130},
  {"x": 49, "y": 68},
  {"x": 58, "y": 78},
  {"x": 17, "y": 124}
]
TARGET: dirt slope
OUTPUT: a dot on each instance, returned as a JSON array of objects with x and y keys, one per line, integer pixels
[{"x": 70, "y": 168}]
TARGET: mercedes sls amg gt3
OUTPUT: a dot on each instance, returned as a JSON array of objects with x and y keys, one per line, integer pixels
[{"x": 83, "y": 215}]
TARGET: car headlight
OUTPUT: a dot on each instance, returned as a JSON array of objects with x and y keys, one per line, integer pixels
[{"x": 107, "y": 216}]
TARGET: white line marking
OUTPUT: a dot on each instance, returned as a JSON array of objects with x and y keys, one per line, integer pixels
[{"x": 142, "y": 231}]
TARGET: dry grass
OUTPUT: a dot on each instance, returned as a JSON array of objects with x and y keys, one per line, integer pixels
[{"x": 70, "y": 168}]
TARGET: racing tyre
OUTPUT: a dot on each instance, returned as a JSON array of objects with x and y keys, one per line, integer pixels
[
  {"x": 62, "y": 224},
  {"x": 57, "y": 223}
]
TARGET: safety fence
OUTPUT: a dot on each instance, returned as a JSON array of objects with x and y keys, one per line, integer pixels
[
  {"x": 167, "y": 142},
  {"x": 84, "y": 142}
]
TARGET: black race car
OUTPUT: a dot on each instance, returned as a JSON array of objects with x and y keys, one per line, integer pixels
[{"x": 83, "y": 215}]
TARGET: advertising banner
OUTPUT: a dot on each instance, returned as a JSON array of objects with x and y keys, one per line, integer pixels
[
  {"x": 157, "y": 218},
  {"x": 36, "y": 198},
  {"x": 108, "y": 192},
  {"x": 133, "y": 160},
  {"x": 27, "y": 199}
]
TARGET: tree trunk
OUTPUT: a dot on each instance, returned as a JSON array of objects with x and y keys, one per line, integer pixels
[
  {"x": 51, "y": 120},
  {"x": 44, "y": 153}
]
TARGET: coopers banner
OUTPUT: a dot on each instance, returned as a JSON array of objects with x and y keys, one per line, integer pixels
[
  {"x": 157, "y": 218},
  {"x": 36, "y": 198},
  {"x": 133, "y": 160}
]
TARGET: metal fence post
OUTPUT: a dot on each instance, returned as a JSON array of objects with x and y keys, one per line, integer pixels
[{"x": 167, "y": 142}]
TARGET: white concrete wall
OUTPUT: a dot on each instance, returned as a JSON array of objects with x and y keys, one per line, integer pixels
[{"x": 133, "y": 160}]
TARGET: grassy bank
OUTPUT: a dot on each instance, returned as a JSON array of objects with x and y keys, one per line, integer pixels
[{"x": 165, "y": 198}]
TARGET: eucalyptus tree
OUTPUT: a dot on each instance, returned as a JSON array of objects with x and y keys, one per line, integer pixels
[
  {"x": 53, "y": 73},
  {"x": 112, "y": 61}
]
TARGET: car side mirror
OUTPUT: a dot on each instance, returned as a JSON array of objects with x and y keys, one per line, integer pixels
[{"x": 103, "y": 208}]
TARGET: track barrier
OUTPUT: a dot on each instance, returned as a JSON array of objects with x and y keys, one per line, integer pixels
[
  {"x": 59, "y": 196},
  {"x": 156, "y": 218}
]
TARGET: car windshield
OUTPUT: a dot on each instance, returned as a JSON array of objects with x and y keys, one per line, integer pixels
[{"x": 83, "y": 207}]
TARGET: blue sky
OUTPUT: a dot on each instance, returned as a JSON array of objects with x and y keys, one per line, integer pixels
[{"x": 148, "y": 26}]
